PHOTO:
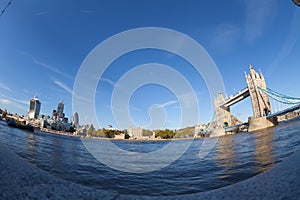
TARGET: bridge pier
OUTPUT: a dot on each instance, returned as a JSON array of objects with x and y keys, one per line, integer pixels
[{"x": 261, "y": 123}]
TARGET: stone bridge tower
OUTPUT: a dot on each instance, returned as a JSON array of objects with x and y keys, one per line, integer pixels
[
  {"x": 222, "y": 113},
  {"x": 260, "y": 101},
  {"x": 260, "y": 104}
]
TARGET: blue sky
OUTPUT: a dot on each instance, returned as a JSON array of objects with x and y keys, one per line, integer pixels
[{"x": 43, "y": 44}]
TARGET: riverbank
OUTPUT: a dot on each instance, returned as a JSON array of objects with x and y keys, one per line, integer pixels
[
  {"x": 57, "y": 132},
  {"x": 215, "y": 133},
  {"x": 113, "y": 139},
  {"x": 22, "y": 180}
]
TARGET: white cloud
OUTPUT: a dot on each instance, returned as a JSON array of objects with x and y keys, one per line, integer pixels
[
  {"x": 42, "y": 13},
  {"x": 5, "y": 101},
  {"x": 290, "y": 42},
  {"x": 50, "y": 67},
  {"x": 168, "y": 103},
  {"x": 26, "y": 92},
  {"x": 109, "y": 82},
  {"x": 20, "y": 101},
  {"x": 118, "y": 108},
  {"x": 14, "y": 104},
  {"x": 64, "y": 86},
  {"x": 225, "y": 37},
  {"x": 259, "y": 16},
  {"x": 188, "y": 100},
  {"x": 15, "y": 100},
  {"x": 124, "y": 108},
  {"x": 87, "y": 11},
  {"x": 5, "y": 87},
  {"x": 70, "y": 91},
  {"x": 134, "y": 108}
]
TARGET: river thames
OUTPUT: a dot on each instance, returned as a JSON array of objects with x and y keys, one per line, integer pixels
[{"x": 234, "y": 158}]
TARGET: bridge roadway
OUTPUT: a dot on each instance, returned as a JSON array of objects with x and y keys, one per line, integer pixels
[
  {"x": 285, "y": 111},
  {"x": 282, "y": 112},
  {"x": 241, "y": 95},
  {"x": 232, "y": 128}
]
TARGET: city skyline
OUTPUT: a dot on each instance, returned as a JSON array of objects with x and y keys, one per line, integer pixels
[{"x": 44, "y": 45}]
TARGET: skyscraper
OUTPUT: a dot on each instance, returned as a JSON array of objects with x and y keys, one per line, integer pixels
[
  {"x": 60, "y": 110},
  {"x": 34, "y": 108},
  {"x": 75, "y": 120}
]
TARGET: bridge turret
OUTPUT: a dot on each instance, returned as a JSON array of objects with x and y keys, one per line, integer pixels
[
  {"x": 260, "y": 101},
  {"x": 223, "y": 116},
  {"x": 261, "y": 75}
]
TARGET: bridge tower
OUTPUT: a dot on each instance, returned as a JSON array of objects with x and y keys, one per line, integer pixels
[
  {"x": 223, "y": 115},
  {"x": 260, "y": 105},
  {"x": 260, "y": 101}
]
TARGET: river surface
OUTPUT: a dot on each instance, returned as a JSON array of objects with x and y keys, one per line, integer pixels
[{"x": 234, "y": 158}]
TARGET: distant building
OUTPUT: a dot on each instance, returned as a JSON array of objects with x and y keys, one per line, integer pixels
[
  {"x": 65, "y": 120},
  {"x": 135, "y": 132},
  {"x": 59, "y": 113},
  {"x": 60, "y": 110},
  {"x": 43, "y": 116},
  {"x": 54, "y": 114},
  {"x": 75, "y": 120},
  {"x": 34, "y": 108},
  {"x": 110, "y": 127},
  {"x": 200, "y": 128}
]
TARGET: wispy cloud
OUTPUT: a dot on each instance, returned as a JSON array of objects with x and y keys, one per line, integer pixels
[
  {"x": 26, "y": 91},
  {"x": 42, "y": 13},
  {"x": 189, "y": 100},
  {"x": 64, "y": 86},
  {"x": 12, "y": 103},
  {"x": 5, "y": 87},
  {"x": 14, "y": 99},
  {"x": 5, "y": 101},
  {"x": 135, "y": 108},
  {"x": 290, "y": 42},
  {"x": 112, "y": 83},
  {"x": 87, "y": 11},
  {"x": 225, "y": 37},
  {"x": 50, "y": 67},
  {"x": 259, "y": 15},
  {"x": 168, "y": 103},
  {"x": 70, "y": 91},
  {"x": 118, "y": 108}
]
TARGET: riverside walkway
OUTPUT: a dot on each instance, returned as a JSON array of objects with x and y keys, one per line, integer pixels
[{"x": 22, "y": 180}]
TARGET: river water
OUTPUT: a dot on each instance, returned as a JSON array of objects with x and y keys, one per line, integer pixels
[{"x": 234, "y": 158}]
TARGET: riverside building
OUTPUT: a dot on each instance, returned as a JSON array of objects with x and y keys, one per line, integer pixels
[{"x": 34, "y": 108}]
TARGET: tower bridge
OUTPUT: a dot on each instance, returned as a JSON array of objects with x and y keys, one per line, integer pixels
[
  {"x": 241, "y": 95},
  {"x": 262, "y": 113}
]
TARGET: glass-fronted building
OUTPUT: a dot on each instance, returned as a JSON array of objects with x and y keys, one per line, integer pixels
[{"x": 34, "y": 108}]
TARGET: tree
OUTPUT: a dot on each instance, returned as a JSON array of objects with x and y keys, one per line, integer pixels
[
  {"x": 90, "y": 130},
  {"x": 165, "y": 134},
  {"x": 72, "y": 129},
  {"x": 148, "y": 133},
  {"x": 184, "y": 133},
  {"x": 108, "y": 133}
]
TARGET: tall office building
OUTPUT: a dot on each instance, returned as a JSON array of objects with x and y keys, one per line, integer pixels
[
  {"x": 60, "y": 110},
  {"x": 75, "y": 120},
  {"x": 34, "y": 108}
]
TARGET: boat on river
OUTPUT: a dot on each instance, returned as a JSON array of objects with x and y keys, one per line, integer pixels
[{"x": 12, "y": 123}]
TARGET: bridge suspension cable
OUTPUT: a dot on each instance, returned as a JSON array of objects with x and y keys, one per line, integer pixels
[{"x": 280, "y": 97}]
